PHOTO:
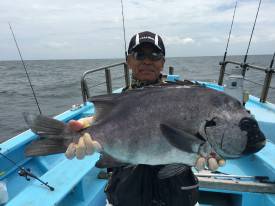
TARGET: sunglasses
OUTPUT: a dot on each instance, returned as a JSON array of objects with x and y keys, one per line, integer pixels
[{"x": 153, "y": 56}]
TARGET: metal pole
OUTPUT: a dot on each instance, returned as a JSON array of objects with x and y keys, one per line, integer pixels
[
  {"x": 266, "y": 86},
  {"x": 171, "y": 70},
  {"x": 222, "y": 71},
  {"x": 108, "y": 80},
  {"x": 83, "y": 90},
  {"x": 127, "y": 75},
  {"x": 87, "y": 90},
  {"x": 267, "y": 80}
]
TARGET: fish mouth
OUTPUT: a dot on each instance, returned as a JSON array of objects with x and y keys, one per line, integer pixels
[{"x": 255, "y": 138}]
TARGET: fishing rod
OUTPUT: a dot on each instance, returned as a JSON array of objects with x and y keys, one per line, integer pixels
[
  {"x": 244, "y": 66},
  {"x": 25, "y": 68},
  {"x": 229, "y": 35},
  {"x": 26, "y": 172},
  {"x": 272, "y": 61},
  {"x": 222, "y": 70},
  {"x": 126, "y": 69},
  {"x": 222, "y": 175},
  {"x": 22, "y": 171},
  {"x": 123, "y": 23}
]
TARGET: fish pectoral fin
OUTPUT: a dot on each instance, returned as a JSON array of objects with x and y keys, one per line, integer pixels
[
  {"x": 107, "y": 161},
  {"x": 181, "y": 139},
  {"x": 44, "y": 147},
  {"x": 171, "y": 170}
]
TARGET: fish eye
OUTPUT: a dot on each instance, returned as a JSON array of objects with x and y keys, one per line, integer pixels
[{"x": 211, "y": 123}]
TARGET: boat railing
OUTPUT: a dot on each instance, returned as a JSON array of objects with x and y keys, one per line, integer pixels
[
  {"x": 244, "y": 67},
  {"x": 86, "y": 93}
]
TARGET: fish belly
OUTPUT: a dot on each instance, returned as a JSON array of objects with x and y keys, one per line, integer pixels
[{"x": 170, "y": 157}]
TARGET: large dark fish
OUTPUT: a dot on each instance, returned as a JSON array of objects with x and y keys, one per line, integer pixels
[{"x": 160, "y": 125}]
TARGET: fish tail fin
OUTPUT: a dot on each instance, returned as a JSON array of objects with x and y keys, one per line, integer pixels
[
  {"x": 44, "y": 147},
  {"x": 54, "y": 135},
  {"x": 47, "y": 127}
]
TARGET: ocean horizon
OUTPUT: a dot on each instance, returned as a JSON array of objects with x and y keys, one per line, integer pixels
[{"x": 122, "y": 58}]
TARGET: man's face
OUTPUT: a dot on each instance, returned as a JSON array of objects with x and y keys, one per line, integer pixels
[{"x": 146, "y": 69}]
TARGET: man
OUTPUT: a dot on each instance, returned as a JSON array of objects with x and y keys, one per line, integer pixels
[{"x": 139, "y": 185}]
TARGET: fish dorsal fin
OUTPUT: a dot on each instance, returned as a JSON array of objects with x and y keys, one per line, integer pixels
[
  {"x": 181, "y": 139},
  {"x": 104, "y": 104}
]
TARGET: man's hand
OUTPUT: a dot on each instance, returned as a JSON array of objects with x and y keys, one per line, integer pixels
[
  {"x": 86, "y": 145},
  {"x": 212, "y": 163}
]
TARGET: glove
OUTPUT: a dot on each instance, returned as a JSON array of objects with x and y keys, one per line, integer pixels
[
  {"x": 212, "y": 163},
  {"x": 86, "y": 145}
]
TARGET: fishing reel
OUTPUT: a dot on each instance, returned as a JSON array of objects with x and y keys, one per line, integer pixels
[{"x": 25, "y": 173}]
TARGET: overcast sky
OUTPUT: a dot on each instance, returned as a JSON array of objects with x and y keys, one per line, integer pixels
[{"x": 89, "y": 29}]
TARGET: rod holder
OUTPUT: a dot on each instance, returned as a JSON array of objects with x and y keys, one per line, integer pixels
[{"x": 222, "y": 71}]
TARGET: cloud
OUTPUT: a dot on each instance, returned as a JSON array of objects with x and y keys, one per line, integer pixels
[
  {"x": 96, "y": 26},
  {"x": 216, "y": 39},
  {"x": 178, "y": 40},
  {"x": 57, "y": 45}
]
